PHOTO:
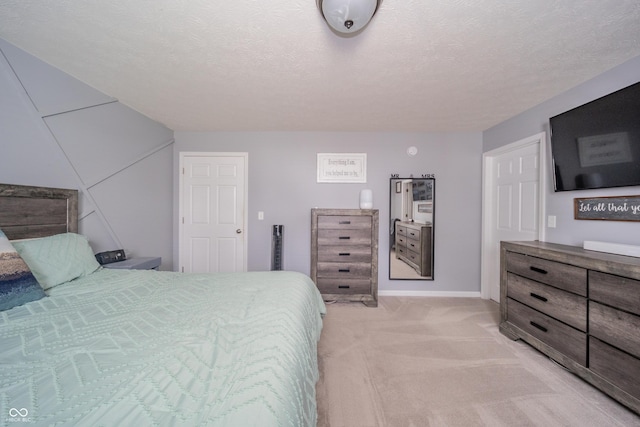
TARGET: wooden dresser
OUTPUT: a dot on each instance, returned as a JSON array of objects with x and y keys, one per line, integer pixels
[
  {"x": 413, "y": 246},
  {"x": 344, "y": 254},
  {"x": 580, "y": 307}
]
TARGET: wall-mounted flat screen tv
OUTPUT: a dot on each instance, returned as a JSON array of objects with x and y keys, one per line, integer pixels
[{"x": 597, "y": 145}]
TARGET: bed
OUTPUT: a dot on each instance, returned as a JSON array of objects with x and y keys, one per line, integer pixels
[{"x": 131, "y": 347}]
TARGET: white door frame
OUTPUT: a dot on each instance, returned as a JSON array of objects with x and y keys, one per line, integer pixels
[
  {"x": 488, "y": 200},
  {"x": 245, "y": 202}
]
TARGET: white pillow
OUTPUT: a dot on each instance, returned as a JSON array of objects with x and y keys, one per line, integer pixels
[{"x": 58, "y": 259}]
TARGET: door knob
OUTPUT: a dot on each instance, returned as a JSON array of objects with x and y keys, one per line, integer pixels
[{"x": 238, "y": 231}]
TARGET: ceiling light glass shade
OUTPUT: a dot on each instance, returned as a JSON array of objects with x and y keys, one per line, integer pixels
[{"x": 348, "y": 16}]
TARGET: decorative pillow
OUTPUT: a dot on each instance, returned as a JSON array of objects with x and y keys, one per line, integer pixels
[
  {"x": 58, "y": 259},
  {"x": 17, "y": 284}
]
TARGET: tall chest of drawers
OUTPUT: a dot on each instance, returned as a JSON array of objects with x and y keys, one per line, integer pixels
[
  {"x": 344, "y": 254},
  {"x": 580, "y": 307}
]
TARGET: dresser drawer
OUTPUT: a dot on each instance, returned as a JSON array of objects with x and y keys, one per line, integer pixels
[
  {"x": 344, "y": 254},
  {"x": 401, "y": 230},
  {"x": 562, "y": 276},
  {"x": 616, "y": 366},
  {"x": 411, "y": 257},
  {"x": 413, "y": 234},
  {"x": 344, "y": 237},
  {"x": 564, "y": 306},
  {"x": 344, "y": 222},
  {"x": 616, "y": 291},
  {"x": 413, "y": 245},
  {"x": 561, "y": 337},
  {"x": 344, "y": 286},
  {"x": 618, "y": 328},
  {"x": 351, "y": 270}
]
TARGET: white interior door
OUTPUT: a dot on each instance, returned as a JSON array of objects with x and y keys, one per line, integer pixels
[
  {"x": 513, "y": 203},
  {"x": 407, "y": 207},
  {"x": 213, "y": 232}
]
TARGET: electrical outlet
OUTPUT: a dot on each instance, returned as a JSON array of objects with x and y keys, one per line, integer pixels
[
  {"x": 260, "y": 215},
  {"x": 551, "y": 221}
]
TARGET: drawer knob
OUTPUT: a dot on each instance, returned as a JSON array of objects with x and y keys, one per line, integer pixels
[
  {"x": 345, "y": 222},
  {"x": 344, "y": 254},
  {"x": 538, "y": 326},
  {"x": 343, "y": 270},
  {"x": 538, "y": 270},
  {"x": 344, "y": 237},
  {"x": 540, "y": 297},
  {"x": 343, "y": 286}
]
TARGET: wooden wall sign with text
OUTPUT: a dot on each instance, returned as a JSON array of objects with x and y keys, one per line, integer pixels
[
  {"x": 620, "y": 208},
  {"x": 342, "y": 167}
]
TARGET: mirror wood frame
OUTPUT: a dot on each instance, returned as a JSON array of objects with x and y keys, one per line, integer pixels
[{"x": 411, "y": 228}]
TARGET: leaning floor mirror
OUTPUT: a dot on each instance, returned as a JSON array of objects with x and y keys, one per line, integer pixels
[{"x": 411, "y": 228}]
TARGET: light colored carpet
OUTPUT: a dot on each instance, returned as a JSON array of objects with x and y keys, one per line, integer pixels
[
  {"x": 442, "y": 362},
  {"x": 400, "y": 269}
]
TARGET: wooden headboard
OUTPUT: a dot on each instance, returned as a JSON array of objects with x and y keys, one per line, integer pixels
[{"x": 28, "y": 212}]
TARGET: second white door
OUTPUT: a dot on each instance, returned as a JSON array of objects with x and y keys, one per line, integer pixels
[
  {"x": 513, "y": 203},
  {"x": 213, "y": 235}
]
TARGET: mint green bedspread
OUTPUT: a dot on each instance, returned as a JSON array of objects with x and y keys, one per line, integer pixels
[{"x": 143, "y": 348}]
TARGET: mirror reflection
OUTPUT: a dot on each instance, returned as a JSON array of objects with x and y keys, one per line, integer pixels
[{"x": 412, "y": 203}]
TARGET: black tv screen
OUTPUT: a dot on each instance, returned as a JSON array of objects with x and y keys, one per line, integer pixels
[{"x": 597, "y": 145}]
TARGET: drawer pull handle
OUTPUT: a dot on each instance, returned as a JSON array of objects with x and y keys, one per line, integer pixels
[
  {"x": 345, "y": 222},
  {"x": 343, "y": 270},
  {"x": 535, "y": 325},
  {"x": 538, "y": 270},
  {"x": 540, "y": 297},
  {"x": 344, "y": 254},
  {"x": 343, "y": 286},
  {"x": 344, "y": 237}
]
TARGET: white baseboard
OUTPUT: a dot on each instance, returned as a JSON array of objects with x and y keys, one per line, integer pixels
[
  {"x": 612, "y": 248},
  {"x": 458, "y": 294}
]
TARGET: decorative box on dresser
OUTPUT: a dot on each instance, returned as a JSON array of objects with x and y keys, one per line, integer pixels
[
  {"x": 344, "y": 254},
  {"x": 579, "y": 307}
]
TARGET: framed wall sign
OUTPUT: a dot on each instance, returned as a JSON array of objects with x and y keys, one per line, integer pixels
[
  {"x": 620, "y": 208},
  {"x": 342, "y": 167}
]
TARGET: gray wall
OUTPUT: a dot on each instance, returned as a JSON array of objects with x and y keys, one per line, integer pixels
[
  {"x": 535, "y": 120},
  {"x": 56, "y": 131},
  {"x": 282, "y": 184}
]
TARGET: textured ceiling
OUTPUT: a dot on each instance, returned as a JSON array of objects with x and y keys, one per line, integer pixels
[{"x": 421, "y": 65}]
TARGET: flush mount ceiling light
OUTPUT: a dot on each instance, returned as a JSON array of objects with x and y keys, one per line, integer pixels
[{"x": 348, "y": 16}]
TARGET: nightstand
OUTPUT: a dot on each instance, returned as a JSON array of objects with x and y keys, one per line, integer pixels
[{"x": 151, "y": 263}]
